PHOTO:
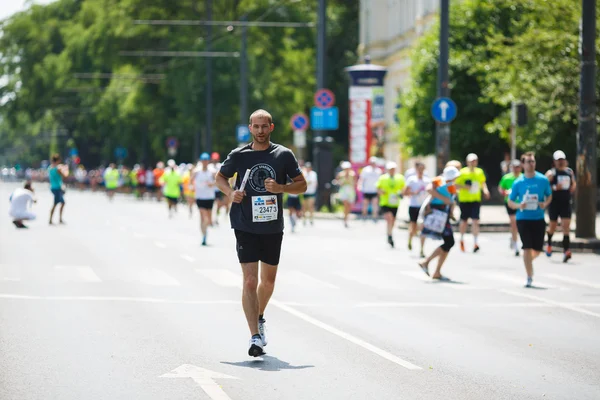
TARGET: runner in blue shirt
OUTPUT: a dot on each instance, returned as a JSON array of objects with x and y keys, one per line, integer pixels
[
  {"x": 530, "y": 195},
  {"x": 56, "y": 173}
]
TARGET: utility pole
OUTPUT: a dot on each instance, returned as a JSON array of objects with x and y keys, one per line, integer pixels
[
  {"x": 442, "y": 130},
  {"x": 244, "y": 73},
  {"x": 209, "y": 96},
  {"x": 587, "y": 136}
]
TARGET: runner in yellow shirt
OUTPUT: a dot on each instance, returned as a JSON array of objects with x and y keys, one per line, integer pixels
[
  {"x": 171, "y": 182},
  {"x": 389, "y": 187},
  {"x": 470, "y": 184},
  {"x": 188, "y": 188}
]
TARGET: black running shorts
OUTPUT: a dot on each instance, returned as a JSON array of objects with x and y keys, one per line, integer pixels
[
  {"x": 559, "y": 208},
  {"x": 509, "y": 210},
  {"x": 532, "y": 233},
  {"x": 253, "y": 247},
  {"x": 413, "y": 213},
  {"x": 386, "y": 209},
  {"x": 205, "y": 204},
  {"x": 469, "y": 210}
]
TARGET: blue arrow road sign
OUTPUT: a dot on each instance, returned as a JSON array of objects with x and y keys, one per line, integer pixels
[
  {"x": 324, "y": 119},
  {"x": 443, "y": 110},
  {"x": 242, "y": 133}
]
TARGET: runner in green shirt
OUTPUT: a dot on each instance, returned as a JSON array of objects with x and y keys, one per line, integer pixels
[
  {"x": 390, "y": 186},
  {"x": 504, "y": 187},
  {"x": 172, "y": 181}
]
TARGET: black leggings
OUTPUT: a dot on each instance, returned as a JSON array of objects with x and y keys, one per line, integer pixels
[{"x": 448, "y": 242}]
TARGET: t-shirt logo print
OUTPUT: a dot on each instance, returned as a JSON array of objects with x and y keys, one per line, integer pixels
[{"x": 258, "y": 174}]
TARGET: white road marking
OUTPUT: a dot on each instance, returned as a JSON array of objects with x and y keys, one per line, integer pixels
[
  {"x": 573, "y": 281},
  {"x": 187, "y": 258},
  {"x": 10, "y": 279},
  {"x": 204, "y": 378},
  {"x": 352, "y": 339},
  {"x": 519, "y": 281},
  {"x": 222, "y": 277},
  {"x": 566, "y": 306},
  {"x": 157, "y": 277},
  {"x": 305, "y": 280},
  {"x": 77, "y": 273},
  {"x": 160, "y": 244},
  {"x": 116, "y": 298},
  {"x": 138, "y": 235},
  {"x": 410, "y": 305}
]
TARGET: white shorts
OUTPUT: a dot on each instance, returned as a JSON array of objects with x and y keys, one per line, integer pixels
[{"x": 22, "y": 215}]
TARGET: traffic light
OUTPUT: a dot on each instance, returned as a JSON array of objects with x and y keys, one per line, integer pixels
[{"x": 521, "y": 114}]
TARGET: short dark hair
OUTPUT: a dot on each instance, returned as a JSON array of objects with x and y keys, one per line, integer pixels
[
  {"x": 27, "y": 185},
  {"x": 527, "y": 155},
  {"x": 55, "y": 157}
]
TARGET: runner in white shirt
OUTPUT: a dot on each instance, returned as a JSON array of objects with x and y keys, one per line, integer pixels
[
  {"x": 367, "y": 184},
  {"x": 416, "y": 188},
  {"x": 203, "y": 179},
  {"x": 311, "y": 192},
  {"x": 20, "y": 201}
]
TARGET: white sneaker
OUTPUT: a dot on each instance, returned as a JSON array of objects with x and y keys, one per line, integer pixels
[
  {"x": 262, "y": 330},
  {"x": 256, "y": 347}
]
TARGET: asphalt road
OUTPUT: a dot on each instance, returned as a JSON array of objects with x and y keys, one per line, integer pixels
[{"x": 123, "y": 303}]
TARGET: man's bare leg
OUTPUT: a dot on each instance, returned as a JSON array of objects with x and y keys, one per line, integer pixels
[
  {"x": 249, "y": 295},
  {"x": 268, "y": 274}
]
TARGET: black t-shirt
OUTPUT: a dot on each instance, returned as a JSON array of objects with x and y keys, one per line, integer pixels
[
  {"x": 561, "y": 182},
  {"x": 259, "y": 212}
]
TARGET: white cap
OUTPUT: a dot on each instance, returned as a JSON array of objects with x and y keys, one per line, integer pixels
[
  {"x": 346, "y": 165},
  {"x": 472, "y": 157},
  {"x": 171, "y": 163},
  {"x": 391, "y": 165},
  {"x": 372, "y": 160},
  {"x": 450, "y": 173},
  {"x": 559, "y": 155}
]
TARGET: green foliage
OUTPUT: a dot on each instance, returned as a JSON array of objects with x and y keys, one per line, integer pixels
[
  {"x": 47, "y": 106},
  {"x": 521, "y": 50}
]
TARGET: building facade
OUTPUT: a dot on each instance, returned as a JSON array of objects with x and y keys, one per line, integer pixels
[{"x": 388, "y": 31}]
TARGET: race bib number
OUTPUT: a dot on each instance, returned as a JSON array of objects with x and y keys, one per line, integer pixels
[
  {"x": 436, "y": 221},
  {"x": 532, "y": 201},
  {"x": 393, "y": 199},
  {"x": 264, "y": 208},
  {"x": 563, "y": 182},
  {"x": 475, "y": 188}
]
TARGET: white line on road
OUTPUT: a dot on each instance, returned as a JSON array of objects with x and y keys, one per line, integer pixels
[
  {"x": 160, "y": 245},
  {"x": 566, "y": 306},
  {"x": 10, "y": 279},
  {"x": 157, "y": 277},
  {"x": 187, "y": 258},
  {"x": 302, "y": 279},
  {"x": 346, "y": 336},
  {"x": 572, "y": 281},
  {"x": 138, "y": 235},
  {"x": 116, "y": 298},
  {"x": 82, "y": 273},
  {"x": 519, "y": 281},
  {"x": 393, "y": 304},
  {"x": 222, "y": 277}
]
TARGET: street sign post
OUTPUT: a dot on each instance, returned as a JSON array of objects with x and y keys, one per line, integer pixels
[
  {"x": 242, "y": 133},
  {"x": 300, "y": 138},
  {"x": 299, "y": 121},
  {"x": 443, "y": 110},
  {"x": 324, "y": 119},
  {"x": 324, "y": 98},
  {"x": 121, "y": 153}
]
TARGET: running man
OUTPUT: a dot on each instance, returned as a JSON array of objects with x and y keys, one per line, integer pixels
[
  {"x": 56, "y": 173},
  {"x": 437, "y": 216},
  {"x": 310, "y": 196},
  {"x": 171, "y": 180},
  {"x": 111, "y": 180},
  {"x": 562, "y": 181},
  {"x": 530, "y": 195},
  {"x": 257, "y": 216},
  {"x": 504, "y": 187},
  {"x": 389, "y": 187},
  {"x": 204, "y": 182},
  {"x": 470, "y": 184},
  {"x": 346, "y": 180},
  {"x": 20, "y": 202},
  {"x": 367, "y": 183},
  {"x": 416, "y": 188}
]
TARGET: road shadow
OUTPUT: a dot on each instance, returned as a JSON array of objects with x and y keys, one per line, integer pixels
[
  {"x": 535, "y": 287},
  {"x": 447, "y": 280},
  {"x": 267, "y": 363}
]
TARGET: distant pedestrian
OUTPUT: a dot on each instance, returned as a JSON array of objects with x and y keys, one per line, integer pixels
[
  {"x": 56, "y": 173},
  {"x": 20, "y": 203}
]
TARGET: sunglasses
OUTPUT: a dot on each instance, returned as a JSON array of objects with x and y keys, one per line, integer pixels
[{"x": 529, "y": 161}]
